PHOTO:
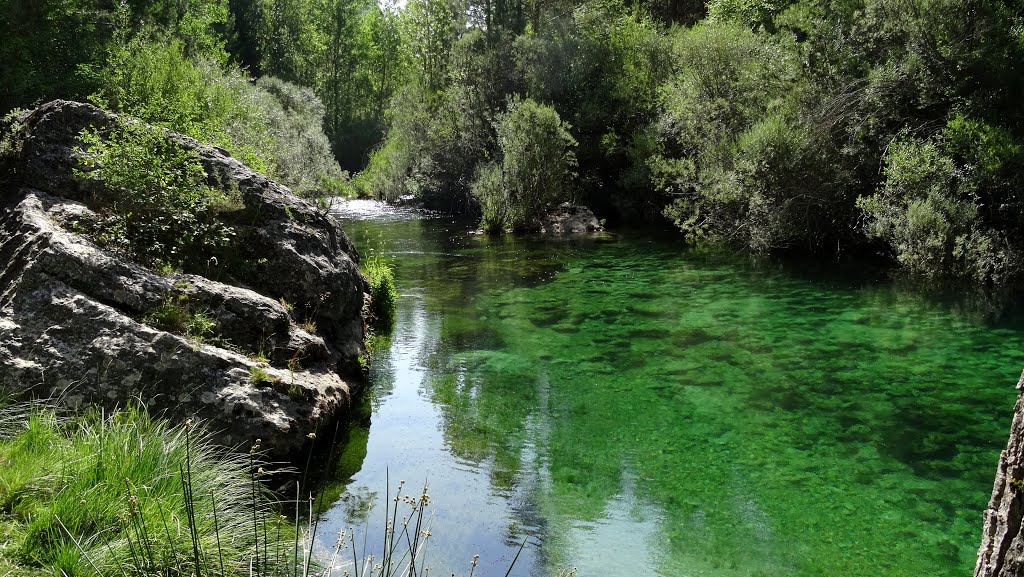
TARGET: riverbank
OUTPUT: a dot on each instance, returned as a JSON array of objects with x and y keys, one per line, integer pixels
[{"x": 95, "y": 493}]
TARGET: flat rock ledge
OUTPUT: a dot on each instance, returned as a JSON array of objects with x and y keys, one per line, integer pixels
[
  {"x": 288, "y": 324},
  {"x": 1002, "y": 540}
]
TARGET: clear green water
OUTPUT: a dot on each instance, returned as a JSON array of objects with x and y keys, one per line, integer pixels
[{"x": 638, "y": 409}]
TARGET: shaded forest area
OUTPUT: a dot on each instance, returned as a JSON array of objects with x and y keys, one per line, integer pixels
[{"x": 828, "y": 127}]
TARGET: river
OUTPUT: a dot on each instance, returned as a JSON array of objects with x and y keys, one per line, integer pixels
[{"x": 632, "y": 407}]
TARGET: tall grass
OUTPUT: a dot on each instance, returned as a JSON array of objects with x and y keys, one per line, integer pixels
[{"x": 124, "y": 494}]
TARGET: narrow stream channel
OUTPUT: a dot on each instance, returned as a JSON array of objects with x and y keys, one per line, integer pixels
[{"x": 632, "y": 407}]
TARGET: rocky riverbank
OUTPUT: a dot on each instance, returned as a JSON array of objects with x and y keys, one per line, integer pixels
[{"x": 284, "y": 312}]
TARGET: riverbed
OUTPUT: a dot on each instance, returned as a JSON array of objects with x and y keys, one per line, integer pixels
[{"x": 629, "y": 406}]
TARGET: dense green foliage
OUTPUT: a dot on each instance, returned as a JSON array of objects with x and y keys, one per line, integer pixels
[
  {"x": 772, "y": 126},
  {"x": 154, "y": 205},
  {"x": 536, "y": 158},
  {"x": 166, "y": 64},
  {"x": 823, "y": 126},
  {"x": 383, "y": 294}
]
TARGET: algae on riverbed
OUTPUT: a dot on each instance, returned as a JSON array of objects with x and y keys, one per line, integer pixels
[{"x": 641, "y": 409}]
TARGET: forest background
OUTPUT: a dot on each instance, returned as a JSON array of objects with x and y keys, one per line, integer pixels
[{"x": 826, "y": 127}]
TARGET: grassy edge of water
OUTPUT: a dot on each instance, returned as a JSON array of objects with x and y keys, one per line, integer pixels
[
  {"x": 124, "y": 493},
  {"x": 118, "y": 494},
  {"x": 383, "y": 295}
]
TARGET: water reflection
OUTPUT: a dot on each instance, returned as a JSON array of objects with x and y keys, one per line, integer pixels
[{"x": 635, "y": 408}]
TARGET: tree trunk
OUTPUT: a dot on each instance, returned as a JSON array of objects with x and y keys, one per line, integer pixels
[{"x": 1002, "y": 542}]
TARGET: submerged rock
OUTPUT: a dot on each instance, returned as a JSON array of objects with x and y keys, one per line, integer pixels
[
  {"x": 284, "y": 318},
  {"x": 1002, "y": 539}
]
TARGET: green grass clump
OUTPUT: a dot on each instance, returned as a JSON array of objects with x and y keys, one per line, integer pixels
[
  {"x": 383, "y": 294},
  {"x": 259, "y": 374},
  {"x": 177, "y": 315},
  {"x": 125, "y": 494}
]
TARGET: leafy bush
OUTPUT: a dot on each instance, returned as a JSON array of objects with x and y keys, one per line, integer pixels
[
  {"x": 537, "y": 159},
  {"x": 393, "y": 168},
  {"x": 301, "y": 155},
  {"x": 728, "y": 154},
  {"x": 154, "y": 205},
  {"x": 154, "y": 80},
  {"x": 949, "y": 207},
  {"x": 432, "y": 149},
  {"x": 489, "y": 190},
  {"x": 273, "y": 126}
]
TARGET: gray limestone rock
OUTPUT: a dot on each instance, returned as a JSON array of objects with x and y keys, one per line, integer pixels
[
  {"x": 77, "y": 321},
  {"x": 569, "y": 218},
  {"x": 1002, "y": 541}
]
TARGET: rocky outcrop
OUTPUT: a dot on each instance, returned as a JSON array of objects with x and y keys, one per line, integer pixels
[
  {"x": 569, "y": 218},
  {"x": 284, "y": 317},
  {"x": 1002, "y": 539}
]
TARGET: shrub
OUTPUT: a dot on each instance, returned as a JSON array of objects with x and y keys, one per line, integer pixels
[
  {"x": 390, "y": 172},
  {"x": 301, "y": 154},
  {"x": 489, "y": 190},
  {"x": 273, "y": 126},
  {"x": 154, "y": 205},
  {"x": 432, "y": 148},
  {"x": 537, "y": 159},
  {"x": 737, "y": 154},
  {"x": 947, "y": 206}
]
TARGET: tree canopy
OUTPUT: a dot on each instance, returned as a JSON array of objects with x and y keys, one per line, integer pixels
[{"x": 822, "y": 126}]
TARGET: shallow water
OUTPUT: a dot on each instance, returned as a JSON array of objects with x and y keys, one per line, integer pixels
[{"x": 634, "y": 408}]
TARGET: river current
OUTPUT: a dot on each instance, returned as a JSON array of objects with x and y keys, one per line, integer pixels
[{"x": 629, "y": 406}]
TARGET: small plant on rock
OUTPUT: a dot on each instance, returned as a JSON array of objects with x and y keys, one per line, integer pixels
[
  {"x": 176, "y": 315},
  {"x": 261, "y": 375},
  {"x": 154, "y": 205}
]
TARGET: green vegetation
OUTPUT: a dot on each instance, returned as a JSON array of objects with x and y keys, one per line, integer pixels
[
  {"x": 260, "y": 375},
  {"x": 154, "y": 205},
  {"x": 121, "y": 494},
  {"x": 773, "y": 126},
  {"x": 948, "y": 204},
  {"x": 167, "y": 64},
  {"x": 125, "y": 494},
  {"x": 383, "y": 294},
  {"x": 536, "y": 158},
  {"x": 176, "y": 315}
]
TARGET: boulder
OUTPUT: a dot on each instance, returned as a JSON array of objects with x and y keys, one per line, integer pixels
[
  {"x": 79, "y": 323},
  {"x": 1002, "y": 540},
  {"x": 569, "y": 218}
]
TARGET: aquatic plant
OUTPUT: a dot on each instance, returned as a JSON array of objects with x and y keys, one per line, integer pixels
[{"x": 383, "y": 294}]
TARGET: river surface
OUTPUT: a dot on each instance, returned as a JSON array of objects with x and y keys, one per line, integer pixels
[{"x": 632, "y": 407}]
